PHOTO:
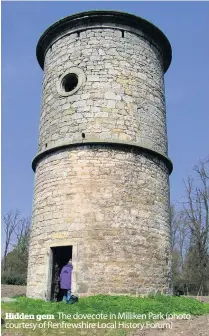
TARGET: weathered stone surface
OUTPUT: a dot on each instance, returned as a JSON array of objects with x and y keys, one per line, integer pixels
[
  {"x": 114, "y": 205},
  {"x": 129, "y": 85},
  {"x": 111, "y": 203}
]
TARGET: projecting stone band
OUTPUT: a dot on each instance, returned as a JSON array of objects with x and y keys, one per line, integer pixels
[{"x": 109, "y": 143}]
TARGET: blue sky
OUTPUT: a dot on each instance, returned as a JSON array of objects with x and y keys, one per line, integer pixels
[{"x": 186, "y": 25}]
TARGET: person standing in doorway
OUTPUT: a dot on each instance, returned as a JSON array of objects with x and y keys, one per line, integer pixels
[{"x": 65, "y": 281}]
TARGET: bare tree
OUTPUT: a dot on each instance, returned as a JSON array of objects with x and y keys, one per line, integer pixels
[
  {"x": 179, "y": 244},
  {"x": 11, "y": 220},
  {"x": 22, "y": 233},
  {"x": 23, "y": 229},
  {"x": 179, "y": 232},
  {"x": 196, "y": 211},
  {"x": 174, "y": 226}
]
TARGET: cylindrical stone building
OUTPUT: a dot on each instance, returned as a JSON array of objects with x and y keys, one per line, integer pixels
[{"x": 102, "y": 171}]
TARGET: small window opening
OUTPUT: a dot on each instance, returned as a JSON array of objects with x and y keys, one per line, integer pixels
[
  {"x": 46, "y": 145},
  {"x": 123, "y": 33},
  {"x": 83, "y": 135},
  {"x": 78, "y": 34},
  {"x": 60, "y": 257},
  {"x": 69, "y": 82}
]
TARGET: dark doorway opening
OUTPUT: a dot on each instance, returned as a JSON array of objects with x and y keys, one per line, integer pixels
[{"x": 60, "y": 257}]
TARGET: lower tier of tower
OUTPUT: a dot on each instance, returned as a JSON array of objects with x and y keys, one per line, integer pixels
[{"x": 108, "y": 209}]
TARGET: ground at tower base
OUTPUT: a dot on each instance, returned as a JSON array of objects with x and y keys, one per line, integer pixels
[{"x": 175, "y": 324}]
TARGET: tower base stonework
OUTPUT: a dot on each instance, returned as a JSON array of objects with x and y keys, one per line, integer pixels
[
  {"x": 102, "y": 172},
  {"x": 117, "y": 220}
]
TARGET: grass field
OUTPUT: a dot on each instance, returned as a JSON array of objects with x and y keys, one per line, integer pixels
[{"x": 151, "y": 309}]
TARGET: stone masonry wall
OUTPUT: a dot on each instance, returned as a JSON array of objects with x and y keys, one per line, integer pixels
[
  {"x": 121, "y": 100},
  {"x": 113, "y": 204},
  {"x": 110, "y": 201}
]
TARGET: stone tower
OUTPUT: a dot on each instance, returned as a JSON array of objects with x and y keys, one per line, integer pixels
[{"x": 102, "y": 171}]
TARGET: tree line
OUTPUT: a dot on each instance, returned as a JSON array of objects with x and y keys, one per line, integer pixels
[
  {"x": 190, "y": 235},
  {"x": 15, "y": 256}
]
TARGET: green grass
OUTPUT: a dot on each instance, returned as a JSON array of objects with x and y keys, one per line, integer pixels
[{"x": 103, "y": 304}]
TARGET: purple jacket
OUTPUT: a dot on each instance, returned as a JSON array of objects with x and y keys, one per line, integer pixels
[{"x": 65, "y": 276}]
